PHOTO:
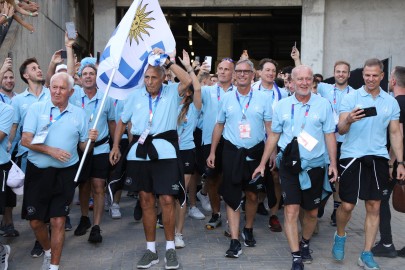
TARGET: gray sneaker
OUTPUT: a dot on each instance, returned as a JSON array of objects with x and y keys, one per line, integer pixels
[
  {"x": 4, "y": 253},
  {"x": 171, "y": 259},
  {"x": 46, "y": 263},
  {"x": 148, "y": 259}
]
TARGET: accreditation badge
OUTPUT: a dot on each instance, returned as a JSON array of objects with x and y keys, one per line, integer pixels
[
  {"x": 307, "y": 141},
  {"x": 40, "y": 137},
  {"x": 144, "y": 135},
  {"x": 244, "y": 130}
]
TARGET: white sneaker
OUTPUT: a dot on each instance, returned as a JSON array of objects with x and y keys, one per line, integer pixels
[
  {"x": 178, "y": 241},
  {"x": 115, "y": 212},
  {"x": 4, "y": 253},
  {"x": 205, "y": 201},
  {"x": 46, "y": 263},
  {"x": 195, "y": 213}
]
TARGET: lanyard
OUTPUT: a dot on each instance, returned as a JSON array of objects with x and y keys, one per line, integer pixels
[
  {"x": 277, "y": 89},
  {"x": 51, "y": 120},
  {"x": 2, "y": 98},
  {"x": 151, "y": 112},
  {"x": 247, "y": 104},
  {"x": 305, "y": 117},
  {"x": 219, "y": 92},
  {"x": 94, "y": 110},
  {"x": 334, "y": 95},
  {"x": 115, "y": 103}
]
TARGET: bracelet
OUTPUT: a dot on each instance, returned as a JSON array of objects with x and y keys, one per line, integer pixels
[
  {"x": 390, "y": 166},
  {"x": 401, "y": 163},
  {"x": 168, "y": 65},
  {"x": 5, "y": 15}
]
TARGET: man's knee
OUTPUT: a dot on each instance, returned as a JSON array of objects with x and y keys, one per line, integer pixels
[
  {"x": 166, "y": 200},
  {"x": 347, "y": 207},
  {"x": 251, "y": 197}
]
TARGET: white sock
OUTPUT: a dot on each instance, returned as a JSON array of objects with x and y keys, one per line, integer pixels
[
  {"x": 151, "y": 246},
  {"x": 53, "y": 267},
  {"x": 170, "y": 245},
  {"x": 48, "y": 252}
]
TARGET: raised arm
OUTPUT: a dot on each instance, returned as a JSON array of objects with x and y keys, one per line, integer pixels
[{"x": 196, "y": 84}]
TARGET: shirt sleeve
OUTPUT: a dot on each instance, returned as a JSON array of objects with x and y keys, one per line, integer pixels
[
  {"x": 84, "y": 127},
  {"x": 395, "y": 111},
  {"x": 329, "y": 123},
  {"x": 31, "y": 119},
  {"x": 268, "y": 110},
  {"x": 6, "y": 119},
  {"x": 347, "y": 103},
  {"x": 276, "y": 124},
  {"x": 221, "y": 116},
  {"x": 17, "y": 115}
]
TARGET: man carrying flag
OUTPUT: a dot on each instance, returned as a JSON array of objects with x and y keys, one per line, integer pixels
[{"x": 152, "y": 159}]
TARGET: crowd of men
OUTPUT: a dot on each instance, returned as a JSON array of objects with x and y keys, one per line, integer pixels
[{"x": 250, "y": 134}]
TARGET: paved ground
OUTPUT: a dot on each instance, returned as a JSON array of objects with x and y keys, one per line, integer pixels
[{"x": 123, "y": 245}]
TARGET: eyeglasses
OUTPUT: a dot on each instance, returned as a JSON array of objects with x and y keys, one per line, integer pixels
[
  {"x": 227, "y": 59},
  {"x": 242, "y": 72}
]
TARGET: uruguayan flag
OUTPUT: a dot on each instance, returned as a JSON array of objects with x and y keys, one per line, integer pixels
[{"x": 143, "y": 28}]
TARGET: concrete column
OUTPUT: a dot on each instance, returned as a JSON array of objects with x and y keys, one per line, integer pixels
[
  {"x": 312, "y": 34},
  {"x": 225, "y": 41},
  {"x": 104, "y": 23}
]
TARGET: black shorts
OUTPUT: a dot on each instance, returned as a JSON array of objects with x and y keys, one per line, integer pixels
[
  {"x": 7, "y": 197},
  {"x": 218, "y": 158},
  {"x": 292, "y": 193},
  {"x": 48, "y": 192},
  {"x": 160, "y": 177},
  {"x": 188, "y": 160},
  {"x": 100, "y": 166},
  {"x": 200, "y": 163},
  {"x": 365, "y": 178}
]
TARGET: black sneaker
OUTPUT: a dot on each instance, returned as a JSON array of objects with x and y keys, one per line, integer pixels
[
  {"x": 297, "y": 264},
  {"x": 83, "y": 226},
  {"x": 305, "y": 253},
  {"x": 37, "y": 250},
  {"x": 333, "y": 218},
  {"x": 138, "y": 211},
  {"x": 95, "y": 235},
  {"x": 261, "y": 209},
  {"x": 247, "y": 235},
  {"x": 235, "y": 249},
  {"x": 68, "y": 225},
  {"x": 159, "y": 221},
  {"x": 214, "y": 222},
  {"x": 379, "y": 250}
]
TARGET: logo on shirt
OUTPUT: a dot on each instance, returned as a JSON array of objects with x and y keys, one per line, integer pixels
[
  {"x": 285, "y": 116},
  {"x": 317, "y": 201},
  {"x": 138, "y": 106},
  {"x": 229, "y": 108},
  {"x": 187, "y": 164},
  {"x": 175, "y": 187},
  {"x": 259, "y": 186}
]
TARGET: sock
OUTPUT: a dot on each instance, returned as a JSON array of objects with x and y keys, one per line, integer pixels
[
  {"x": 170, "y": 245},
  {"x": 296, "y": 255},
  {"x": 53, "y": 267},
  {"x": 48, "y": 252},
  {"x": 304, "y": 241},
  {"x": 151, "y": 246},
  {"x": 336, "y": 205}
]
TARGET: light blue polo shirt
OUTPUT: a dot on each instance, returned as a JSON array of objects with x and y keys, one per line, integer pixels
[
  {"x": 6, "y": 99},
  {"x": 369, "y": 135},
  {"x": 335, "y": 96},
  {"x": 274, "y": 95},
  {"x": 136, "y": 110},
  {"x": 91, "y": 108},
  {"x": 6, "y": 121},
  {"x": 318, "y": 122},
  {"x": 211, "y": 98},
  {"x": 65, "y": 133},
  {"x": 118, "y": 109},
  {"x": 21, "y": 103},
  {"x": 230, "y": 114},
  {"x": 186, "y": 128}
]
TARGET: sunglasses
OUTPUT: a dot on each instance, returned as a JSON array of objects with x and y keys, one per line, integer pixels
[{"x": 227, "y": 59}]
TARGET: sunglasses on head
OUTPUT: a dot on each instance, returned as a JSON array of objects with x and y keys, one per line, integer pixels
[{"x": 227, "y": 59}]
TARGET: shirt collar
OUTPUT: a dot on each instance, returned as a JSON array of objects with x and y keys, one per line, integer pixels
[
  {"x": 364, "y": 93},
  {"x": 310, "y": 101},
  {"x": 68, "y": 108}
]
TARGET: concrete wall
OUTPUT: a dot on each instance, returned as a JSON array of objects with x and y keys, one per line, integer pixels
[
  {"x": 362, "y": 29},
  {"x": 104, "y": 23},
  {"x": 220, "y": 3},
  {"x": 47, "y": 38}
]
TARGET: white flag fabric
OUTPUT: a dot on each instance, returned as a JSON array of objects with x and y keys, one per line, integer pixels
[{"x": 143, "y": 28}]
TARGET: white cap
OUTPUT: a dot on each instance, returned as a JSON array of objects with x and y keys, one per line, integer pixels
[
  {"x": 60, "y": 68},
  {"x": 15, "y": 179}
]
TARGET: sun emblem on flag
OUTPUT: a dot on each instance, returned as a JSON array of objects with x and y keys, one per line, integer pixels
[{"x": 140, "y": 24}]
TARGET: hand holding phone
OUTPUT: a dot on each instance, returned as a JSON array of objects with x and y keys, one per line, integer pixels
[
  {"x": 10, "y": 55},
  {"x": 63, "y": 54},
  {"x": 370, "y": 111},
  {"x": 71, "y": 30},
  {"x": 255, "y": 178}
]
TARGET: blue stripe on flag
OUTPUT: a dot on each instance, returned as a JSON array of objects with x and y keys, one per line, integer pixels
[
  {"x": 130, "y": 84},
  {"x": 125, "y": 69},
  {"x": 105, "y": 54}
]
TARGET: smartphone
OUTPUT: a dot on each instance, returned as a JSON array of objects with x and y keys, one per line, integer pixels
[
  {"x": 98, "y": 57},
  {"x": 10, "y": 55},
  {"x": 71, "y": 30},
  {"x": 255, "y": 178},
  {"x": 197, "y": 58},
  {"x": 370, "y": 111},
  {"x": 295, "y": 44},
  {"x": 63, "y": 54},
  {"x": 208, "y": 61}
]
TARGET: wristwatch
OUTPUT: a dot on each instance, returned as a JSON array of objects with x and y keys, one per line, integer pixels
[
  {"x": 401, "y": 163},
  {"x": 167, "y": 66}
]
